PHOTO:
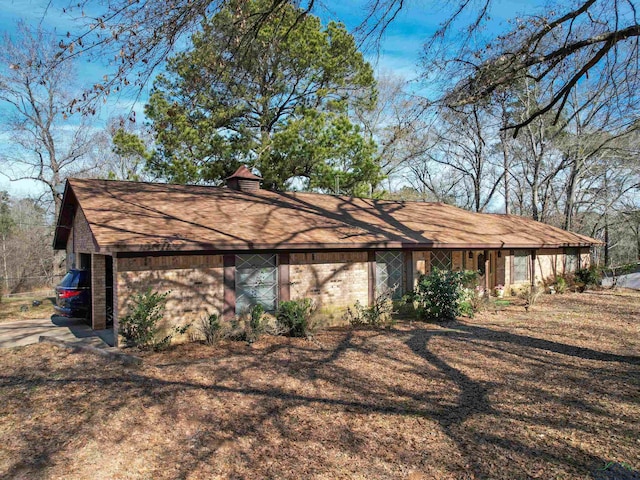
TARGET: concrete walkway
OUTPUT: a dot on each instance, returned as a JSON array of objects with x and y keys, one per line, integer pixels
[{"x": 72, "y": 330}]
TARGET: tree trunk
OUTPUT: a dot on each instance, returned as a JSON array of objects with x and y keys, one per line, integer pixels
[
  {"x": 606, "y": 240},
  {"x": 535, "y": 198},
  {"x": 505, "y": 166},
  {"x": 572, "y": 181},
  {"x": 4, "y": 261}
]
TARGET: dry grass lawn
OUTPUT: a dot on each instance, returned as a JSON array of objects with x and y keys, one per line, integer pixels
[
  {"x": 552, "y": 394},
  {"x": 21, "y": 308}
]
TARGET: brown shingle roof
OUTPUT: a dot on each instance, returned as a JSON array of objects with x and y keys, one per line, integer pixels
[{"x": 130, "y": 216}]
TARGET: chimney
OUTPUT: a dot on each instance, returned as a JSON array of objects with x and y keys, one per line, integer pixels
[{"x": 243, "y": 180}]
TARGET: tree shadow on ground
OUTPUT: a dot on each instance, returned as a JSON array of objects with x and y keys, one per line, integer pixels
[{"x": 453, "y": 401}]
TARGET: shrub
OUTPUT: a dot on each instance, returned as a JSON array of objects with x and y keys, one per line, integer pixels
[
  {"x": 471, "y": 300},
  {"x": 247, "y": 327},
  {"x": 256, "y": 323},
  {"x": 253, "y": 324},
  {"x": 294, "y": 317},
  {"x": 440, "y": 294},
  {"x": 469, "y": 278},
  {"x": 140, "y": 328},
  {"x": 560, "y": 285},
  {"x": 586, "y": 277},
  {"x": 530, "y": 294},
  {"x": 378, "y": 314},
  {"x": 210, "y": 328}
]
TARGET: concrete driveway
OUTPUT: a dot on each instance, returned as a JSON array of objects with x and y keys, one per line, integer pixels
[{"x": 72, "y": 330}]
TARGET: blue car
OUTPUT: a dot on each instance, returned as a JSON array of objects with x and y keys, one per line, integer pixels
[{"x": 73, "y": 295}]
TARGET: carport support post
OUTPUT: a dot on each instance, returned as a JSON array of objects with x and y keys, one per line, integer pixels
[
  {"x": 98, "y": 293},
  {"x": 533, "y": 268},
  {"x": 229, "y": 280},
  {"x": 116, "y": 325},
  {"x": 371, "y": 260},
  {"x": 486, "y": 272}
]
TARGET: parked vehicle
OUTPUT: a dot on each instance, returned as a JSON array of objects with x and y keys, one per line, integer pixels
[{"x": 73, "y": 295}]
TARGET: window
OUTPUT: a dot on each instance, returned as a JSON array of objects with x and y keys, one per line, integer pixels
[
  {"x": 441, "y": 260},
  {"x": 571, "y": 260},
  {"x": 521, "y": 262},
  {"x": 390, "y": 273},
  {"x": 256, "y": 282}
]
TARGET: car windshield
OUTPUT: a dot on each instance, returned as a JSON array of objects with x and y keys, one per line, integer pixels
[{"x": 73, "y": 279}]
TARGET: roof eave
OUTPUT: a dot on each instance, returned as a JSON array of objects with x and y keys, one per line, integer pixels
[
  {"x": 65, "y": 217},
  {"x": 382, "y": 245}
]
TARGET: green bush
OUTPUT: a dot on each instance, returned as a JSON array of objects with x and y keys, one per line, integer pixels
[
  {"x": 140, "y": 328},
  {"x": 294, "y": 317},
  {"x": 530, "y": 295},
  {"x": 378, "y": 314},
  {"x": 256, "y": 323},
  {"x": 210, "y": 328},
  {"x": 441, "y": 295},
  {"x": 247, "y": 327},
  {"x": 587, "y": 277},
  {"x": 470, "y": 301},
  {"x": 561, "y": 285}
]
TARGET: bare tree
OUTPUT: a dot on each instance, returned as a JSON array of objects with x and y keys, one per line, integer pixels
[
  {"x": 597, "y": 138},
  {"x": 27, "y": 256},
  {"x": 464, "y": 149},
  {"x": 559, "y": 46},
  {"x": 396, "y": 123},
  {"x": 138, "y": 37},
  {"x": 537, "y": 163},
  {"x": 126, "y": 147},
  {"x": 45, "y": 144},
  {"x": 630, "y": 213}
]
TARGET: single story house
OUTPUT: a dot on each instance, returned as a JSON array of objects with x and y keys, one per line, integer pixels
[{"x": 223, "y": 249}]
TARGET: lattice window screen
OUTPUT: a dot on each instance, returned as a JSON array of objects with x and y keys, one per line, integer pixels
[
  {"x": 440, "y": 260},
  {"x": 521, "y": 262},
  {"x": 389, "y": 272},
  {"x": 256, "y": 282}
]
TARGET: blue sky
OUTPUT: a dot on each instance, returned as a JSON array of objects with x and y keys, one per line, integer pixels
[{"x": 400, "y": 51}]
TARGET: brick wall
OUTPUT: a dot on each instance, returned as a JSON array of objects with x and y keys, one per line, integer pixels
[
  {"x": 98, "y": 293},
  {"x": 501, "y": 268},
  {"x": 506, "y": 259},
  {"x": 585, "y": 258},
  {"x": 333, "y": 280},
  {"x": 549, "y": 264},
  {"x": 421, "y": 264},
  {"x": 456, "y": 261},
  {"x": 81, "y": 232},
  {"x": 195, "y": 283},
  {"x": 70, "y": 261}
]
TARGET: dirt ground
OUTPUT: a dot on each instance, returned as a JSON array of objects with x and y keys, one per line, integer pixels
[
  {"x": 549, "y": 394},
  {"x": 22, "y": 308}
]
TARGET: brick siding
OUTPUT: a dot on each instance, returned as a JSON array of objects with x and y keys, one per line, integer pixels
[
  {"x": 80, "y": 240},
  {"x": 549, "y": 264},
  {"x": 334, "y": 280},
  {"x": 82, "y": 236},
  {"x": 195, "y": 283},
  {"x": 98, "y": 293}
]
